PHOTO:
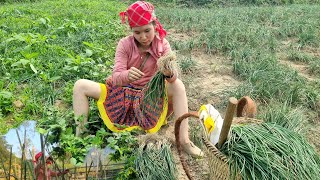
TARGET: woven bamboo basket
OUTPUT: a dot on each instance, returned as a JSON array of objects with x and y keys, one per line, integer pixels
[{"x": 218, "y": 162}]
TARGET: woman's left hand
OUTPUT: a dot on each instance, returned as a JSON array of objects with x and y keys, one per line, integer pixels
[{"x": 167, "y": 72}]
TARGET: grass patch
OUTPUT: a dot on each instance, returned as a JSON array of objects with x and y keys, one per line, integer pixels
[
  {"x": 285, "y": 116},
  {"x": 186, "y": 64},
  {"x": 315, "y": 67},
  {"x": 300, "y": 57},
  {"x": 252, "y": 37},
  {"x": 312, "y": 61},
  {"x": 46, "y": 47}
]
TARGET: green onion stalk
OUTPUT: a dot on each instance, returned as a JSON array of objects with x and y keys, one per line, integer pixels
[
  {"x": 269, "y": 151},
  {"x": 155, "y": 161}
]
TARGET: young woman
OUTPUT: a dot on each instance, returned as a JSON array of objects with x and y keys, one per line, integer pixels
[{"x": 120, "y": 99}]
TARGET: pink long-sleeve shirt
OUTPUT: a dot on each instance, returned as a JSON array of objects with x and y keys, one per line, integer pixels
[{"x": 128, "y": 55}]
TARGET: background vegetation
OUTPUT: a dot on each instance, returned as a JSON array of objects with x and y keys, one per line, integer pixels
[
  {"x": 45, "y": 46},
  {"x": 259, "y": 40}
]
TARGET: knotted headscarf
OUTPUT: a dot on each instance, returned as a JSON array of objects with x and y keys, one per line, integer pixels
[
  {"x": 142, "y": 13},
  {"x": 38, "y": 155}
]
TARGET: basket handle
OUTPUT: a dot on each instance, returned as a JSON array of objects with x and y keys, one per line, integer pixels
[
  {"x": 232, "y": 105},
  {"x": 177, "y": 136}
]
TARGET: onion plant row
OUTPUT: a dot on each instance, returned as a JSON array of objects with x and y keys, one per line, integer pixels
[{"x": 256, "y": 39}]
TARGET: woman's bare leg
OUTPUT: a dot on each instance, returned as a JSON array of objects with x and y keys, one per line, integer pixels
[
  {"x": 82, "y": 90},
  {"x": 177, "y": 91}
]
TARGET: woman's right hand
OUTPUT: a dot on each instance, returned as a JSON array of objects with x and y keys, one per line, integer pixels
[{"x": 134, "y": 74}]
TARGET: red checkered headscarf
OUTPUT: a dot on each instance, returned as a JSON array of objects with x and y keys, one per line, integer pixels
[
  {"x": 142, "y": 13},
  {"x": 37, "y": 156}
]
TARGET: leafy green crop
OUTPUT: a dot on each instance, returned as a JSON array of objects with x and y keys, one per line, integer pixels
[{"x": 45, "y": 47}]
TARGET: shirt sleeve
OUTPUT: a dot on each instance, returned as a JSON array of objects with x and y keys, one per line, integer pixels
[
  {"x": 166, "y": 47},
  {"x": 120, "y": 71},
  {"x": 52, "y": 173},
  {"x": 55, "y": 173}
]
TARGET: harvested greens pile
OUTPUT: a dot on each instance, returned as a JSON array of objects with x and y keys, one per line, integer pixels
[
  {"x": 270, "y": 151},
  {"x": 155, "y": 161}
]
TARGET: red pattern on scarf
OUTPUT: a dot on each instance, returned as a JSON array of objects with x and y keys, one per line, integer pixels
[{"x": 142, "y": 13}]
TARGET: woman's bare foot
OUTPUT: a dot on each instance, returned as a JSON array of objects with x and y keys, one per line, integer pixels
[{"x": 192, "y": 149}]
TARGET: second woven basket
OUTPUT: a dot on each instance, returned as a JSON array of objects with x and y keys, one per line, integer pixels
[{"x": 218, "y": 162}]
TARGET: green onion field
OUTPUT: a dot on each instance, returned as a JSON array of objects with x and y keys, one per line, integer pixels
[{"x": 270, "y": 52}]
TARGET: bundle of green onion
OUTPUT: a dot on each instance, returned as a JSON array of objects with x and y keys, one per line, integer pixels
[
  {"x": 155, "y": 89},
  {"x": 155, "y": 161},
  {"x": 269, "y": 151}
]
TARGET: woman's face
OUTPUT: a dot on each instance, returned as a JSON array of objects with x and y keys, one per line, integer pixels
[{"x": 144, "y": 34}]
